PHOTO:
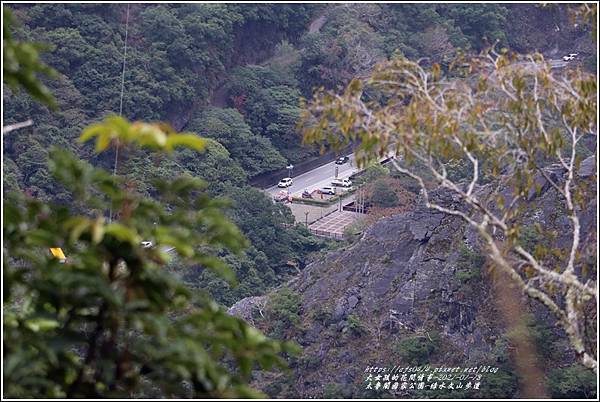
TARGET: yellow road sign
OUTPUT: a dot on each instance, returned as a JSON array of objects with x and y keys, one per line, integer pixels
[{"x": 58, "y": 253}]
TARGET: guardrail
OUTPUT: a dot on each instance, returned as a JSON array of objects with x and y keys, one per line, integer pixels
[{"x": 330, "y": 235}]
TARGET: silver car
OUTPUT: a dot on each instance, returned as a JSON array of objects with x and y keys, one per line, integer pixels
[{"x": 327, "y": 190}]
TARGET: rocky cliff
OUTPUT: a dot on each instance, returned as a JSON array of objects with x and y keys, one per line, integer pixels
[{"x": 415, "y": 289}]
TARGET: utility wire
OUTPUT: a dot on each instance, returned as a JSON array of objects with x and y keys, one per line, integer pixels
[{"x": 114, "y": 173}]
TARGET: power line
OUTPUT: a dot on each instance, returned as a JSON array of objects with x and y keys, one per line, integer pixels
[{"x": 114, "y": 173}]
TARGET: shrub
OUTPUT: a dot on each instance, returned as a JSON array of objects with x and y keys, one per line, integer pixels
[
  {"x": 417, "y": 350},
  {"x": 337, "y": 391},
  {"x": 469, "y": 264},
  {"x": 383, "y": 195},
  {"x": 321, "y": 314},
  {"x": 284, "y": 308},
  {"x": 371, "y": 173},
  {"x": 354, "y": 324},
  {"x": 353, "y": 231},
  {"x": 572, "y": 382},
  {"x": 502, "y": 384}
]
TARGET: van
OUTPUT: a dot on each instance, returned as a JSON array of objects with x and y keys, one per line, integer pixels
[{"x": 327, "y": 190}]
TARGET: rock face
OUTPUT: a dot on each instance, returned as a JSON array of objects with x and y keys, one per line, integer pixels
[
  {"x": 245, "y": 308},
  {"x": 401, "y": 281},
  {"x": 587, "y": 167},
  {"x": 398, "y": 280}
]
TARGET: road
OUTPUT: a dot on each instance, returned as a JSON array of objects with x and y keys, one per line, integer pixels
[
  {"x": 318, "y": 177},
  {"x": 323, "y": 175}
]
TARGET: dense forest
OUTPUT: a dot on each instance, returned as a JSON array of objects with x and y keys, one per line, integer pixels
[
  {"x": 237, "y": 75},
  {"x": 232, "y": 73}
]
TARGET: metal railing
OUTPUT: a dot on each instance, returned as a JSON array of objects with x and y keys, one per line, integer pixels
[{"x": 324, "y": 233}]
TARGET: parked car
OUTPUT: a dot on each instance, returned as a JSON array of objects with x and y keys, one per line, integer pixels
[
  {"x": 568, "y": 58},
  {"x": 341, "y": 182},
  {"x": 327, "y": 190},
  {"x": 306, "y": 194},
  {"x": 285, "y": 182},
  {"x": 146, "y": 244},
  {"x": 341, "y": 160}
]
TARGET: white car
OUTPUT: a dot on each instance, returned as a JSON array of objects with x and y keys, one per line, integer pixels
[
  {"x": 341, "y": 182},
  {"x": 146, "y": 244},
  {"x": 327, "y": 190},
  {"x": 568, "y": 58},
  {"x": 285, "y": 182}
]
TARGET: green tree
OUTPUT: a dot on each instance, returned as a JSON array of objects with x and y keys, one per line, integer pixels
[
  {"x": 22, "y": 66},
  {"x": 418, "y": 349},
  {"x": 572, "y": 382},
  {"x": 372, "y": 172},
  {"x": 214, "y": 165},
  {"x": 482, "y": 24},
  {"x": 383, "y": 196},
  {"x": 284, "y": 310},
  {"x": 110, "y": 321},
  {"x": 254, "y": 153},
  {"x": 270, "y": 227},
  {"x": 506, "y": 118}
]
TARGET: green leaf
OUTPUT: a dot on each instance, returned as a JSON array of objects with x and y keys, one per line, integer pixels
[
  {"x": 220, "y": 268},
  {"x": 123, "y": 233},
  {"x": 41, "y": 324},
  {"x": 90, "y": 132},
  {"x": 185, "y": 140},
  {"x": 77, "y": 225}
]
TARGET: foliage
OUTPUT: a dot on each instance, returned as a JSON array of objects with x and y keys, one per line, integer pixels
[
  {"x": 111, "y": 319},
  {"x": 21, "y": 63},
  {"x": 278, "y": 247},
  {"x": 353, "y": 231},
  {"x": 284, "y": 311},
  {"x": 572, "y": 382},
  {"x": 503, "y": 384},
  {"x": 355, "y": 325},
  {"x": 88, "y": 42},
  {"x": 371, "y": 173},
  {"x": 337, "y": 391},
  {"x": 469, "y": 264},
  {"x": 270, "y": 105},
  {"x": 482, "y": 24},
  {"x": 417, "y": 350},
  {"x": 270, "y": 227},
  {"x": 254, "y": 153},
  {"x": 529, "y": 237},
  {"x": 383, "y": 195},
  {"x": 214, "y": 165}
]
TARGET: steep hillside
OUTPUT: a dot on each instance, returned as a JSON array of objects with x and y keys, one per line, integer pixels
[{"x": 416, "y": 289}]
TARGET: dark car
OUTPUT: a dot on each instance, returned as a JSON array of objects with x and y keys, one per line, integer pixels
[{"x": 341, "y": 160}]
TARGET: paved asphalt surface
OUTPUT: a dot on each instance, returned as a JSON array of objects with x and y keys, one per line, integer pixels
[{"x": 317, "y": 178}]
